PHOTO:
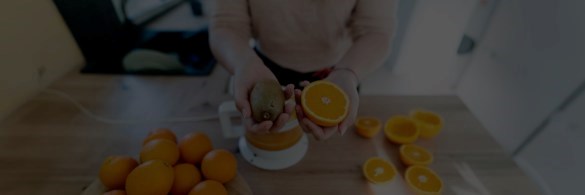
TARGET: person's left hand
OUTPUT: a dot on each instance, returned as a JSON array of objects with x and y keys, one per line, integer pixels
[{"x": 348, "y": 83}]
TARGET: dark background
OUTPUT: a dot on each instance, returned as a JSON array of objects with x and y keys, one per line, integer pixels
[{"x": 104, "y": 40}]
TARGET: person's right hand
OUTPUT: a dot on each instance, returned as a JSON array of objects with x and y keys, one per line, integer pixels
[{"x": 244, "y": 80}]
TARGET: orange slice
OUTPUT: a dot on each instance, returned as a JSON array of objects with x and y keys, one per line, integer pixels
[
  {"x": 401, "y": 130},
  {"x": 423, "y": 180},
  {"x": 429, "y": 123},
  {"x": 411, "y": 154},
  {"x": 367, "y": 127},
  {"x": 324, "y": 103},
  {"x": 378, "y": 170}
]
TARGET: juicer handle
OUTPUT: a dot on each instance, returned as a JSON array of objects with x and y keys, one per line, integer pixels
[{"x": 227, "y": 110}]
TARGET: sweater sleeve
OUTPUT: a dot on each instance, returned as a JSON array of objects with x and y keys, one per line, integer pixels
[
  {"x": 233, "y": 15},
  {"x": 373, "y": 16},
  {"x": 372, "y": 28},
  {"x": 230, "y": 33}
]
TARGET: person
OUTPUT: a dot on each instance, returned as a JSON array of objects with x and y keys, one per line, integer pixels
[{"x": 297, "y": 42}]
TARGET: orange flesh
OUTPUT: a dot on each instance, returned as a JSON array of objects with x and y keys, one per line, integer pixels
[
  {"x": 424, "y": 180},
  {"x": 417, "y": 154},
  {"x": 329, "y": 101}
]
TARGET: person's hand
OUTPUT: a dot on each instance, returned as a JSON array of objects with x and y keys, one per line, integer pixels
[
  {"x": 244, "y": 80},
  {"x": 348, "y": 83}
]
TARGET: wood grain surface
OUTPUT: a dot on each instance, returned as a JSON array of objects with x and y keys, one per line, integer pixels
[{"x": 49, "y": 147}]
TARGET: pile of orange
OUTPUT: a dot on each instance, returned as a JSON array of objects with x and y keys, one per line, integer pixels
[{"x": 167, "y": 166}]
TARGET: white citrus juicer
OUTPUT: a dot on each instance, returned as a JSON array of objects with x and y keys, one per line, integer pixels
[{"x": 272, "y": 151}]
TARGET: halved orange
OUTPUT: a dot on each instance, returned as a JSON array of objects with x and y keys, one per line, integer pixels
[
  {"x": 429, "y": 123},
  {"x": 401, "y": 130},
  {"x": 378, "y": 170},
  {"x": 324, "y": 103},
  {"x": 368, "y": 127},
  {"x": 411, "y": 154},
  {"x": 423, "y": 180}
]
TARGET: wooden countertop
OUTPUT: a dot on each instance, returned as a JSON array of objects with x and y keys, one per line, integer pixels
[{"x": 48, "y": 146}]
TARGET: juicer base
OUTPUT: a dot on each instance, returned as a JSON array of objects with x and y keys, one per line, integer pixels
[{"x": 274, "y": 160}]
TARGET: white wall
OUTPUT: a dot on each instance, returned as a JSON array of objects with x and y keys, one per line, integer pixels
[
  {"x": 35, "y": 49},
  {"x": 427, "y": 55},
  {"x": 555, "y": 157},
  {"x": 531, "y": 59}
]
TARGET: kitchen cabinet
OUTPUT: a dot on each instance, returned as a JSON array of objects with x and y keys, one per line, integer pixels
[
  {"x": 532, "y": 57},
  {"x": 555, "y": 157}
]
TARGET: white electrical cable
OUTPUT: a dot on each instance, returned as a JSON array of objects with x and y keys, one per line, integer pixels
[{"x": 90, "y": 114}]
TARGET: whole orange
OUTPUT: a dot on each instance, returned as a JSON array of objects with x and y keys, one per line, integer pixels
[
  {"x": 219, "y": 165},
  {"x": 160, "y": 149},
  {"x": 160, "y": 133},
  {"x": 186, "y": 177},
  {"x": 115, "y": 192},
  {"x": 209, "y": 187},
  {"x": 194, "y": 146},
  {"x": 154, "y": 177},
  {"x": 115, "y": 169}
]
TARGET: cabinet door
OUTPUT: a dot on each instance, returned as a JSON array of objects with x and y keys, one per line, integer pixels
[
  {"x": 532, "y": 57},
  {"x": 555, "y": 157}
]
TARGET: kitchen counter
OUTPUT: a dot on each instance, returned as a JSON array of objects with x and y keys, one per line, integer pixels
[{"x": 49, "y": 146}]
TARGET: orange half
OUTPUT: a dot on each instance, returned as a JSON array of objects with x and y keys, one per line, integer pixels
[
  {"x": 378, "y": 170},
  {"x": 401, "y": 130},
  {"x": 324, "y": 103},
  {"x": 423, "y": 180},
  {"x": 367, "y": 127},
  {"x": 411, "y": 154},
  {"x": 429, "y": 123}
]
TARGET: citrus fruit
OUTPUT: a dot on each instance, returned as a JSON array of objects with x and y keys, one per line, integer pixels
[
  {"x": 429, "y": 123},
  {"x": 154, "y": 177},
  {"x": 194, "y": 146},
  {"x": 160, "y": 149},
  {"x": 401, "y": 130},
  {"x": 411, "y": 154},
  {"x": 324, "y": 103},
  {"x": 186, "y": 177},
  {"x": 115, "y": 169},
  {"x": 423, "y": 180},
  {"x": 378, "y": 170},
  {"x": 219, "y": 165},
  {"x": 160, "y": 133},
  {"x": 367, "y": 127},
  {"x": 115, "y": 192},
  {"x": 209, "y": 187}
]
